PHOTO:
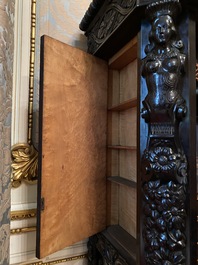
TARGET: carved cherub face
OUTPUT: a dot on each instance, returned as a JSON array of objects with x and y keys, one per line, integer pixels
[{"x": 163, "y": 28}]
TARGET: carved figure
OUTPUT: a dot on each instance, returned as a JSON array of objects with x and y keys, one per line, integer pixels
[
  {"x": 164, "y": 107},
  {"x": 164, "y": 164},
  {"x": 163, "y": 67}
]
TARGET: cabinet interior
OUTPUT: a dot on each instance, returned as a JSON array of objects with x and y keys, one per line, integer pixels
[
  {"x": 87, "y": 147},
  {"x": 122, "y": 139}
]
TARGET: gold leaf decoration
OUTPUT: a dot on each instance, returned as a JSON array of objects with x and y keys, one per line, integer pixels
[
  {"x": 63, "y": 260},
  {"x": 24, "y": 164},
  {"x": 22, "y": 230},
  {"x": 23, "y": 214}
]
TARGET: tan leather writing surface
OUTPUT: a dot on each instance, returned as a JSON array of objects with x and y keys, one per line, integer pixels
[{"x": 72, "y": 147}]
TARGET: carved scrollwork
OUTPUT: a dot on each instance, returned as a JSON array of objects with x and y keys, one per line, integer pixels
[
  {"x": 101, "y": 251},
  {"x": 107, "y": 22},
  {"x": 110, "y": 254},
  {"x": 164, "y": 163},
  {"x": 25, "y": 164}
]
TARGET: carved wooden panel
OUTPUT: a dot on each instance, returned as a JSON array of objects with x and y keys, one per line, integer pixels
[{"x": 167, "y": 152}]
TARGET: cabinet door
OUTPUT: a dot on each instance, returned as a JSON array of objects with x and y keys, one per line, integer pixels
[{"x": 72, "y": 155}]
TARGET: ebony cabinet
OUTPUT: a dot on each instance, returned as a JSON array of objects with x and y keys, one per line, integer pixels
[{"x": 118, "y": 136}]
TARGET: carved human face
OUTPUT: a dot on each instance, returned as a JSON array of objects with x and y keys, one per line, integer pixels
[{"x": 163, "y": 28}]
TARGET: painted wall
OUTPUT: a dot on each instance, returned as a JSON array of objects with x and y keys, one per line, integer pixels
[{"x": 6, "y": 71}]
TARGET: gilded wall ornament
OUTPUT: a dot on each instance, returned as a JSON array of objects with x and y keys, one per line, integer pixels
[{"x": 24, "y": 155}]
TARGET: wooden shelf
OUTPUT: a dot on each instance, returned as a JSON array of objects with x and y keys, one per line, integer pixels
[
  {"x": 126, "y": 55},
  {"x": 122, "y": 181},
  {"x": 128, "y": 104},
  {"x": 121, "y": 147},
  {"x": 123, "y": 242}
]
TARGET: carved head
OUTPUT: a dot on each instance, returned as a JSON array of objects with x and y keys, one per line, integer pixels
[
  {"x": 163, "y": 29},
  {"x": 162, "y": 14}
]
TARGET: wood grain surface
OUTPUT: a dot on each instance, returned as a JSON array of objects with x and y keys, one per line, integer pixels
[{"x": 73, "y": 162}]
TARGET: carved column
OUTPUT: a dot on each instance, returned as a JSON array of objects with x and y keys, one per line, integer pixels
[
  {"x": 6, "y": 68},
  {"x": 165, "y": 167}
]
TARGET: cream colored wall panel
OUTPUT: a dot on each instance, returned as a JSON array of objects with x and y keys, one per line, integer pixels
[
  {"x": 21, "y": 71},
  {"x": 25, "y": 194},
  {"x": 20, "y": 247},
  {"x": 24, "y": 252},
  {"x": 23, "y": 223}
]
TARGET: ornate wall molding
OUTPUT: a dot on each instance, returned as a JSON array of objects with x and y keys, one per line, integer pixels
[
  {"x": 23, "y": 214},
  {"x": 17, "y": 231},
  {"x": 24, "y": 155},
  {"x": 58, "y": 261}
]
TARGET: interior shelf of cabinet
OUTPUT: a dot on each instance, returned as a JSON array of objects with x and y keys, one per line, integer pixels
[
  {"x": 123, "y": 242},
  {"x": 126, "y": 55},
  {"x": 121, "y": 147},
  {"x": 128, "y": 104},
  {"x": 122, "y": 181}
]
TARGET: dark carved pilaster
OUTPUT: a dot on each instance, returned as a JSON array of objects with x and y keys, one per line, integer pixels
[{"x": 164, "y": 163}]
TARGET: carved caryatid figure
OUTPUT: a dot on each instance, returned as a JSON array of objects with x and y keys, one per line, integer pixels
[
  {"x": 164, "y": 107},
  {"x": 164, "y": 164}
]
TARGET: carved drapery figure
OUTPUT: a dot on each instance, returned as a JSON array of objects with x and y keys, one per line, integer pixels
[{"x": 164, "y": 164}]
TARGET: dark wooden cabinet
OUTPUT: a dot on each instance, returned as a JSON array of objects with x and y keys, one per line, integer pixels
[{"x": 118, "y": 136}]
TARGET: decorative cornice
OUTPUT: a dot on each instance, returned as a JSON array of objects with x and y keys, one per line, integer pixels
[
  {"x": 23, "y": 214},
  {"x": 107, "y": 21},
  {"x": 90, "y": 14},
  {"x": 58, "y": 261},
  {"x": 24, "y": 155}
]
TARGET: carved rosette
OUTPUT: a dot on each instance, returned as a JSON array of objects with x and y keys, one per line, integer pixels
[
  {"x": 107, "y": 22},
  {"x": 164, "y": 163}
]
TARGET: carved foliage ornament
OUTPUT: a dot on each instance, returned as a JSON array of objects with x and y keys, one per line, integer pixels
[
  {"x": 25, "y": 164},
  {"x": 164, "y": 164}
]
